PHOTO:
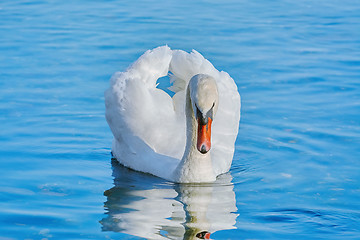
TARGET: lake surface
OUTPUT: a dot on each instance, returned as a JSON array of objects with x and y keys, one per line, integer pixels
[{"x": 296, "y": 170}]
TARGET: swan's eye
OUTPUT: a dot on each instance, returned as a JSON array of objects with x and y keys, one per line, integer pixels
[{"x": 200, "y": 116}]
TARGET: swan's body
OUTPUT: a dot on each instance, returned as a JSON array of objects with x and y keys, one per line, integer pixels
[{"x": 157, "y": 134}]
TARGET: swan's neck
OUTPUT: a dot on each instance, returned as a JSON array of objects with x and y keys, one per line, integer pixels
[{"x": 194, "y": 166}]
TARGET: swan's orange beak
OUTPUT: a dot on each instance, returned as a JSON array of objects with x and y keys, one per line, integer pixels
[{"x": 204, "y": 136}]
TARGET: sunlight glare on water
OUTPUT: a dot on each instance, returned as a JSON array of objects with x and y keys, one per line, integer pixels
[{"x": 295, "y": 173}]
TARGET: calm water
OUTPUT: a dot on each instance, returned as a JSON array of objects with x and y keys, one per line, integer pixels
[{"x": 296, "y": 170}]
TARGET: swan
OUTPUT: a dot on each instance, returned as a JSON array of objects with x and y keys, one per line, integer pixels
[{"x": 187, "y": 138}]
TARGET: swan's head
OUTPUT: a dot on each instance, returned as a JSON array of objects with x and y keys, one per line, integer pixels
[{"x": 204, "y": 99}]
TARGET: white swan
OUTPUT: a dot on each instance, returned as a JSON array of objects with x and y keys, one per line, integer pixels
[{"x": 172, "y": 138}]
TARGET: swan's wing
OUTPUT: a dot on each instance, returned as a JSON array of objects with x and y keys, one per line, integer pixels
[
  {"x": 185, "y": 65},
  {"x": 137, "y": 111},
  {"x": 226, "y": 123}
]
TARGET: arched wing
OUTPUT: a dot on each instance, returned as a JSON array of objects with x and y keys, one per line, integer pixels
[{"x": 136, "y": 108}]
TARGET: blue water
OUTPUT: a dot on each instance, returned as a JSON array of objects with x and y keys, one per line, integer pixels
[{"x": 296, "y": 170}]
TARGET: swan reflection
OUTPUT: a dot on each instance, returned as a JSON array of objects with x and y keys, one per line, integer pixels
[{"x": 149, "y": 207}]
